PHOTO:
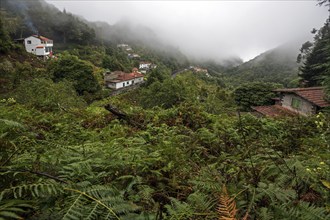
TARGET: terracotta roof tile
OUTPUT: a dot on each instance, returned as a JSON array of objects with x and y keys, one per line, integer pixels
[
  {"x": 121, "y": 76},
  {"x": 273, "y": 110},
  {"x": 42, "y": 37},
  {"x": 314, "y": 95}
]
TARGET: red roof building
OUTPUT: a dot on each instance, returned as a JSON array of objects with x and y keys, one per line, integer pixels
[
  {"x": 273, "y": 110},
  {"x": 41, "y": 37},
  {"x": 314, "y": 95},
  {"x": 39, "y": 45},
  {"x": 118, "y": 79},
  {"x": 293, "y": 101}
]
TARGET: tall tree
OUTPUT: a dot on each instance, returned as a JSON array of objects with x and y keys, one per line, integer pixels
[
  {"x": 5, "y": 43},
  {"x": 316, "y": 57}
]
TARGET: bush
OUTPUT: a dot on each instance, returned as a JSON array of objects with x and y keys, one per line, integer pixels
[
  {"x": 79, "y": 72},
  {"x": 46, "y": 95}
]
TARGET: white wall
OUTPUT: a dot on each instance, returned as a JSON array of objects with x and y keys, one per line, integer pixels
[
  {"x": 306, "y": 107},
  {"x": 123, "y": 84},
  {"x": 31, "y": 43},
  {"x": 144, "y": 65}
]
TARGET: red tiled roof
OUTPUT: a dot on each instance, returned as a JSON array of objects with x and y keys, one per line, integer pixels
[
  {"x": 273, "y": 110},
  {"x": 125, "y": 76},
  {"x": 314, "y": 95},
  {"x": 41, "y": 37},
  {"x": 39, "y": 46}
]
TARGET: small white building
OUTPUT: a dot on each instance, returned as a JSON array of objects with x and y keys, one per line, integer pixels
[
  {"x": 122, "y": 45},
  {"x": 118, "y": 79},
  {"x": 144, "y": 65},
  {"x": 39, "y": 45},
  {"x": 133, "y": 56}
]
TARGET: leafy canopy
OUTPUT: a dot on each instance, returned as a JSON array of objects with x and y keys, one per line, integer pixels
[{"x": 78, "y": 72}]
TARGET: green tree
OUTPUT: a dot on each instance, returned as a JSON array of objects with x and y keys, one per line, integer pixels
[
  {"x": 112, "y": 64},
  {"x": 160, "y": 74},
  {"x": 316, "y": 64},
  {"x": 166, "y": 94},
  {"x": 254, "y": 94},
  {"x": 5, "y": 42},
  {"x": 77, "y": 71}
]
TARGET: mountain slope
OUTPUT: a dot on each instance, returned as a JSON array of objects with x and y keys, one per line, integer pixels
[
  {"x": 24, "y": 18},
  {"x": 277, "y": 65}
]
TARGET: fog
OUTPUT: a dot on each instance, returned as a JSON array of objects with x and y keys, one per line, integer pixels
[{"x": 211, "y": 29}]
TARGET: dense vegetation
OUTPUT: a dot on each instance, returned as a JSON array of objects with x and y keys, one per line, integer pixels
[
  {"x": 177, "y": 149},
  {"x": 274, "y": 66},
  {"x": 316, "y": 58}
]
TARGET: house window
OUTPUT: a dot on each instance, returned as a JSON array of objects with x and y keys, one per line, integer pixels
[
  {"x": 123, "y": 84},
  {"x": 296, "y": 103},
  {"x": 28, "y": 42},
  {"x": 127, "y": 83},
  {"x": 48, "y": 49}
]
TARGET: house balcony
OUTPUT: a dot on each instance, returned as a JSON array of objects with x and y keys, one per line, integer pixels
[{"x": 48, "y": 43}]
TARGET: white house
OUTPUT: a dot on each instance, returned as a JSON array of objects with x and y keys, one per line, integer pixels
[
  {"x": 118, "y": 79},
  {"x": 39, "y": 45},
  {"x": 122, "y": 45},
  {"x": 133, "y": 56},
  {"x": 144, "y": 65}
]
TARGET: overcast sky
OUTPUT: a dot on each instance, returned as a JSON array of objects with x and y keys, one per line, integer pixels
[{"x": 211, "y": 29}]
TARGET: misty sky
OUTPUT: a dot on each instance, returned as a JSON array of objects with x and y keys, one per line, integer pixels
[{"x": 211, "y": 29}]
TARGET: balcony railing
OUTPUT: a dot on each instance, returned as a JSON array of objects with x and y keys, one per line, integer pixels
[{"x": 47, "y": 42}]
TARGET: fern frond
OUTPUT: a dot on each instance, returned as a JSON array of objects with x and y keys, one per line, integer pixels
[
  {"x": 311, "y": 212},
  {"x": 274, "y": 193},
  {"x": 227, "y": 206},
  {"x": 265, "y": 214},
  {"x": 13, "y": 208},
  {"x": 201, "y": 202},
  {"x": 12, "y": 124},
  {"x": 74, "y": 211},
  {"x": 35, "y": 190},
  {"x": 179, "y": 210},
  {"x": 94, "y": 199},
  {"x": 93, "y": 213}
]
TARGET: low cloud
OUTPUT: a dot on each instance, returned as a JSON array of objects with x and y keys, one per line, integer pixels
[{"x": 212, "y": 29}]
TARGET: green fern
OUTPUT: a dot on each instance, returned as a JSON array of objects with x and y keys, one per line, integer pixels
[
  {"x": 74, "y": 210},
  {"x": 34, "y": 190},
  {"x": 12, "y": 124},
  {"x": 13, "y": 209},
  {"x": 301, "y": 211},
  {"x": 274, "y": 193},
  {"x": 97, "y": 201},
  {"x": 179, "y": 210}
]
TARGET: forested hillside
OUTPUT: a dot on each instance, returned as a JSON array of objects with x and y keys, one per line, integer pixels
[
  {"x": 182, "y": 146},
  {"x": 278, "y": 65},
  {"x": 23, "y": 18}
]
